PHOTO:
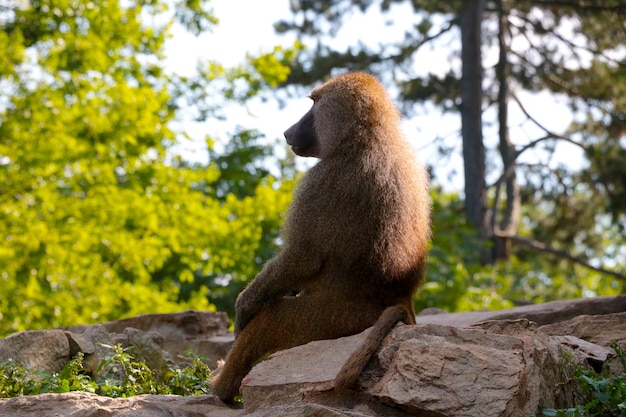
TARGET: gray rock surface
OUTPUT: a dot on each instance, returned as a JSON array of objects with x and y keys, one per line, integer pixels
[
  {"x": 490, "y": 363},
  {"x": 82, "y": 404},
  {"x": 547, "y": 313},
  {"x": 46, "y": 350},
  {"x": 598, "y": 329},
  {"x": 204, "y": 332},
  {"x": 503, "y": 368}
]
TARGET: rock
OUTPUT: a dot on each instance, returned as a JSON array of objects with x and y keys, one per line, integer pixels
[
  {"x": 345, "y": 405},
  {"x": 82, "y": 404},
  {"x": 497, "y": 369},
  {"x": 92, "y": 342},
  {"x": 95, "y": 342},
  {"x": 599, "y": 329},
  {"x": 288, "y": 374},
  {"x": 463, "y": 364},
  {"x": 479, "y": 375},
  {"x": 43, "y": 350},
  {"x": 148, "y": 348},
  {"x": 156, "y": 339},
  {"x": 204, "y": 332},
  {"x": 546, "y": 313}
]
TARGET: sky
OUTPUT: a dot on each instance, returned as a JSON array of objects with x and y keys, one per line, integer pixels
[{"x": 246, "y": 26}]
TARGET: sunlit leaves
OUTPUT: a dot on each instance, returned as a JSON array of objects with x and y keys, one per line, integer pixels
[
  {"x": 97, "y": 219},
  {"x": 261, "y": 71},
  {"x": 274, "y": 67},
  {"x": 194, "y": 15}
]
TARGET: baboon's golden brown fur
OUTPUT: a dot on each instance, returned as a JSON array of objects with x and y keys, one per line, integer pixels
[{"x": 355, "y": 236}]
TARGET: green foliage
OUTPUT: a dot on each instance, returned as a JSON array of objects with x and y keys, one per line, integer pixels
[
  {"x": 242, "y": 165},
  {"x": 257, "y": 73},
  {"x": 605, "y": 395},
  {"x": 16, "y": 380},
  {"x": 125, "y": 377},
  {"x": 99, "y": 218},
  {"x": 194, "y": 16},
  {"x": 191, "y": 379},
  {"x": 455, "y": 281},
  {"x": 130, "y": 376}
]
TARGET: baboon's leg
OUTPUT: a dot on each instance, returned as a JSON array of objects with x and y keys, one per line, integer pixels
[{"x": 290, "y": 322}]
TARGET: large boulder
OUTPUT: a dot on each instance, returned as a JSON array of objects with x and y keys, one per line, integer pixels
[
  {"x": 501, "y": 368},
  {"x": 156, "y": 339},
  {"x": 45, "y": 350},
  {"x": 206, "y": 333}
]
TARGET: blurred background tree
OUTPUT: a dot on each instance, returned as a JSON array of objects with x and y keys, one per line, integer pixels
[
  {"x": 543, "y": 229},
  {"x": 102, "y": 216},
  {"x": 99, "y": 218}
]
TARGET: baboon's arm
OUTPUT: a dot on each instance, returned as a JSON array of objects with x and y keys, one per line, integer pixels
[{"x": 282, "y": 276}]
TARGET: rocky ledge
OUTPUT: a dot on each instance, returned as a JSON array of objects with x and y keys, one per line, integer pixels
[{"x": 491, "y": 363}]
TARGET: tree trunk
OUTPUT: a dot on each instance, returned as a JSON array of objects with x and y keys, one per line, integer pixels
[
  {"x": 510, "y": 216},
  {"x": 476, "y": 213}
]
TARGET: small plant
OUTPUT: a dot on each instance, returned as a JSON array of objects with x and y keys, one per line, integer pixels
[
  {"x": 71, "y": 377},
  {"x": 188, "y": 380},
  {"x": 125, "y": 377},
  {"x": 606, "y": 395},
  {"x": 16, "y": 380}
]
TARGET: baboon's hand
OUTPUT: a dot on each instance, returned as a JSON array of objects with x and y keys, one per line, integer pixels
[
  {"x": 245, "y": 309},
  {"x": 240, "y": 322}
]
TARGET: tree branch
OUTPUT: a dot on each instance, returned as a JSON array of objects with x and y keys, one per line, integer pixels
[
  {"x": 511, "y": 168},
  {"x": 540, "y": 246},
  {"x": 415, "y": 46},
  {"x": 583, "y": 5},
  {"x": 574, "y": 4},
  {"x": 549, "y": 134}
]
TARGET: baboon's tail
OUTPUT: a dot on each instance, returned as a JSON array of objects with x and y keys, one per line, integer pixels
[{"x": 356, "y": 363}]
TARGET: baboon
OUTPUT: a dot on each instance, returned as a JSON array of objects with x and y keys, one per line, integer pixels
[{"x": 354, "y": 240}]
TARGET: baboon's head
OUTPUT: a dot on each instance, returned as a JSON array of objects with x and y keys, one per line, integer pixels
[{"x": 345, "y": 111}]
